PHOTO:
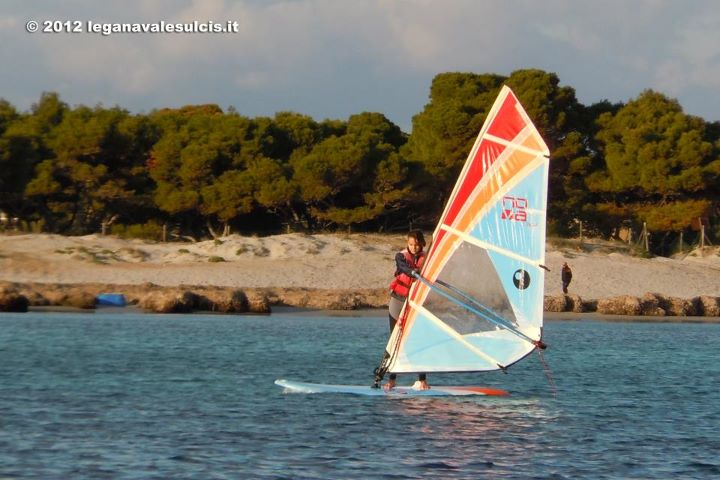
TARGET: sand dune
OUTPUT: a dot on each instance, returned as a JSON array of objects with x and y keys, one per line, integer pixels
[{"x": 326, "y": 261}]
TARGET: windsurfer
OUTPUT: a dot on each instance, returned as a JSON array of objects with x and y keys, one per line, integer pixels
[{"x": 408, "y": 263}]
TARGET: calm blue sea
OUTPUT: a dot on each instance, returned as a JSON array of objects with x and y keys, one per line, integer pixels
[{"x": 166, "y": 396}]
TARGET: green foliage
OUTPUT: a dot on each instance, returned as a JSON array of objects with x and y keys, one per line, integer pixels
[
  {"x": 215, "y": 259},
  {"x": 672, "y": 216},
  {"x": 444, "y": 132},
  {"x": 48, "y": 112},
  {"x": 652, "y": 147},
  {"x": 272, "y": 183},
  {"x": 554, "y": 109},
  {"x": 229, "y": 195},
  {"x": 146, "y": 231},
  {"x": 661, "y": 165},
  {"x": 295, "y": 133},
  {"x": 75, "y": 170},
  {"x": 345, "y": 179},
  {"x": 86, "y": 179},
  {"x": 20, "y": 151},
  {"x": 8, "y": 114},
  {"x": 194, "y": 150}
]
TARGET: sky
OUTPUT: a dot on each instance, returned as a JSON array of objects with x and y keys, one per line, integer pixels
[{"x": 335, "y": 58}]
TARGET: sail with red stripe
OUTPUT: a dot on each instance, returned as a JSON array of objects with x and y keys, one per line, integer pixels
[{"x": 478, "y": 303}]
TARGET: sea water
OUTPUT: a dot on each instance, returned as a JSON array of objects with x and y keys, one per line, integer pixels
[{"x": 169, "y": 396}]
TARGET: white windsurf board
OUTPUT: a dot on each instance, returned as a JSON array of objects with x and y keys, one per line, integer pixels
[{"x": 397, "y": 391}]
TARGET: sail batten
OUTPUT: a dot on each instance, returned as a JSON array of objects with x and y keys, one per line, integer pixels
[
  {"x": 478, "y": 304},
  {"x": 475, "y": 241},
  {"x": 516, "y": 146}
]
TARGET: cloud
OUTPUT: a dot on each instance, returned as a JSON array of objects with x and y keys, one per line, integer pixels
[
  {"x": 695, "y": 59},
  {"x": 336, "y": 58}
]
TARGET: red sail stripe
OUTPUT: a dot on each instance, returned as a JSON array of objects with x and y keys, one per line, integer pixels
[
  {"x": 511, "y": 121},
  {"x": 483, "y": 159}
]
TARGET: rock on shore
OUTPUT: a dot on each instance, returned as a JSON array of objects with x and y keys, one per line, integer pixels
[
  {"x": 152, "y": 298},
  {"x": 18, "y": 297},
  {"x": 650, "y": 304},
  {"x": 11, "y": 300},
  {"x": 187, "y": 298}
]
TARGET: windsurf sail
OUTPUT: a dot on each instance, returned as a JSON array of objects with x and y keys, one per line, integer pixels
[{"x": 477, "y": 304}]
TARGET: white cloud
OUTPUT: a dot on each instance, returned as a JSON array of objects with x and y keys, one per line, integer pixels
[{"x": 313, "y": 52}]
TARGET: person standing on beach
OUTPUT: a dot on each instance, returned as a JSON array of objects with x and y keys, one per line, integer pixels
[
  {"x": 566, "y": 277},
  {"x": 408, "y": 263}
]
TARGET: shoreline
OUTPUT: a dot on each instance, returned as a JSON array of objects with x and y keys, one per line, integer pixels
[
  {"x": 605, "y": 317},
  {"x": 201, "y": 299},
  {"x": 327, "y": 272},
  {"x": 381, "y": 313}
]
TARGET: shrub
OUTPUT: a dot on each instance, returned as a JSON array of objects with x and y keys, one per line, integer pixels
[
  {"x": 147, "y": 231},
  {"x": 215, "y": 259}
]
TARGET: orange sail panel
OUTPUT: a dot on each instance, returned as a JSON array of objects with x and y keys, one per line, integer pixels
[{"x": 478, "y": 305}]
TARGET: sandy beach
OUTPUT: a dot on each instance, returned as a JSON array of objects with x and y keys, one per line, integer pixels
[{"x": 326, "y": 262}]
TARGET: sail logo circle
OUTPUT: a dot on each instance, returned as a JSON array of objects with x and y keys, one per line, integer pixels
[{"x": 521, "y": 279}]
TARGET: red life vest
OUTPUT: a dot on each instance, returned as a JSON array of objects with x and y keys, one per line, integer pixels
[{"x": 402, "y": 281}]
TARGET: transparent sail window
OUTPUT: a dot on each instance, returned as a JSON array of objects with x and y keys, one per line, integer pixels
[{"x": 470, "y": 271}]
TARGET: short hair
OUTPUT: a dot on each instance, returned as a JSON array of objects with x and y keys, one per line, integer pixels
[{"x": 418, "y": 236}]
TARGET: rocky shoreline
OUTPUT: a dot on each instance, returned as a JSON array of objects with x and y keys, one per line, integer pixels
[
  {"x": 19, "y": 297},
  {"x": 649, "y": 305}
]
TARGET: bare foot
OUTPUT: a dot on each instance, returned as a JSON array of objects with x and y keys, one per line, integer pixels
[
  {"x": 389, "y": 385},
  {"x": 421, "y": 385}
]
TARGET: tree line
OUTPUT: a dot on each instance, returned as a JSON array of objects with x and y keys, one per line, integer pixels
[{"x": 200, "y": 170}]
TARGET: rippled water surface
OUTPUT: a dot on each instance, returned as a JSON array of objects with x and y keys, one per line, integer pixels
[{"x": 151, "y": 396}]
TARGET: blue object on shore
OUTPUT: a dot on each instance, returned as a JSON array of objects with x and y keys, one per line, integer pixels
[{"x": 111, "y": 299}]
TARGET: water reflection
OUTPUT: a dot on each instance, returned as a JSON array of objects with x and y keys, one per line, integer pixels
[{"x": 467, "y": 436}]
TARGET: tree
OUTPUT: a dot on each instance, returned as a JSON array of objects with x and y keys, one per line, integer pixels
[
  {"x": 563, "y": 124},
  {"x": 196, "y": 148},
  {"x": 444, "y": 133},
  {"x": 18, "y": 154},
  {"x": 338, "y": 178},
  {"x": 228, "y": 196},
  {"x": 48, "y": 112},
  {"x": 656, "y": 156},
  {"x": 84, "y": 183},
  {"x": 22, "y": 147}
]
